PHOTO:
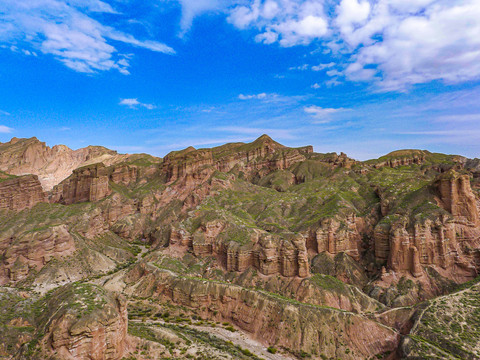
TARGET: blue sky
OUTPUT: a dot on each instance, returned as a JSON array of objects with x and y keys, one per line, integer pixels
[{"x": 360, "y": 76}]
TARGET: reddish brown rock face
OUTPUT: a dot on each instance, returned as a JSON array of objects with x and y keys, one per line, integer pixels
[
  {"x": 439, "y": 242},
  {"x": 331, "y": 238},
  {"x": 51, "y": 165},
  {"x": 457, "y": 198},
  {"x": 99, "y": 335},
  {"x": 431, "y": 243},
  {"x": 89, "y": 183},
  {"x": 33, "y": 251},
  {"x": 402, "y": 158},
  {"x": 124, "y": 175},
  {"x": 21, "y": 193},
  {"x": 263, "y": 157},
  {"x": 269, "y": 319},
  {"x": 267, "y": 253}
]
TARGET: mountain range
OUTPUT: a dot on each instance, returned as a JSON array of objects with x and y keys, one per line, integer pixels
[{"x": 241, "y": 251}]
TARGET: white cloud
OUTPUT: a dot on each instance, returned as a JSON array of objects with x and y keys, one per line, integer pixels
[
  {"x": 394, "y": 44},
  {"x": 321, "y": 113},
  {"x": 403, "y": 43},
  {"x": 193, "y": 8},
  {"x": 260, "y": 96},
  {"x": 316, "y": 86},
  {"x": 134, "y": 103},
  {"x": 321, "y": 67},
  {"x": 301, "y": 67},
  {"x": 351, "y": 13},
  {"x": 288, "y": 22},
  {"x": 4, "y": 113},
  {"x": 5, "y": 129},
  {"x": 67, "y": 30}
]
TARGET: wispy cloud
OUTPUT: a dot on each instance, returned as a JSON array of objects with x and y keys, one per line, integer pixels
[
  {"x": 321, "y": 67},
  {"x": 260, "y": 96},
  {"x": 134, "y": 103},
  {"x": 5, "y": 129},
  {"x": 194, "y": 8},
  {"x": 300, "y": 67},
  {"x": 320, "y": 113},
  {"x": 462, "y": 132},
  {"x": 4, "y": 113},
  {"x": 68, "y": 31},
  {"x": 459, "y": 118},
  {"x": 196, "y": 142}
]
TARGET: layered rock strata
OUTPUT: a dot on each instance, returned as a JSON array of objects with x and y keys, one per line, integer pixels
[
  {"x": 267, "y": 253},
  {"x": 440, "y": 241},
  {"x": 96, "y": 333},
  {"x": 264, "y": 155},
  {"x": 33, "y": 250},
  {"x": 334, "y": 237},
  {"x": 51, "y": 165},
  {"x": 89, "y": 183},
  {"x": 19, "y": 193},
  {"x": 298, "y": 327}
]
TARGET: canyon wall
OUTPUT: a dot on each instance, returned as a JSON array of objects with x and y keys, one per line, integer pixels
[
  {"x": 440, "y": 240},
  {"x": 22, "y": 192},
  {"x": 88, "y": 183}
]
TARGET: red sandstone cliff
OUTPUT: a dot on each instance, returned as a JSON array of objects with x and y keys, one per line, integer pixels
[
  {"x": 88, "y": 183},
  {"x": 260, "y": 157},
  {"x": 32, "y": 250},
  {"x": 440, "y": 241},
  {"x": 22, "y": 192}
]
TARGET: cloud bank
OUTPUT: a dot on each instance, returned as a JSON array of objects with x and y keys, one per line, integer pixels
[
  {"x": 393, "y": 44},
  {"x": 69, "y": 31}
]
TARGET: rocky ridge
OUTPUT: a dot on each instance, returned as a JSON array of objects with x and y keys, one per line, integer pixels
[{"x": 51, "y": 165}]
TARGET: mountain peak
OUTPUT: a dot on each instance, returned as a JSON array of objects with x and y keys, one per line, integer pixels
[{"x": 264, "y": 137}]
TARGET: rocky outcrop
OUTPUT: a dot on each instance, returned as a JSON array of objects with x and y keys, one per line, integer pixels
[
  {"x": 51, "y": 165},
  {"x": 84, "y": 322},
  {"x": 269, "y": 254},
  {"x": 186, "y": 162},
  {"x": 270, "y": 319},
  {"x": 457, "y": 198},
  {"x": 430, "y": 244},
  {"x": 337, "y": 237},
  {"x": 439, "y": 240},
  {"x": 33, "y": 250},
  {"x": 124, "y": 175},
  {"x": 19, "y": 193},
  {"x": 287, "y": 257},
  {"x": 89, "y": 183},
  {"x": 401, "y": 158}
]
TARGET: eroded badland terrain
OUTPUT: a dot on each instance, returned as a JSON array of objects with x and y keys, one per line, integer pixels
[{"x": 242, "y": 251}]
